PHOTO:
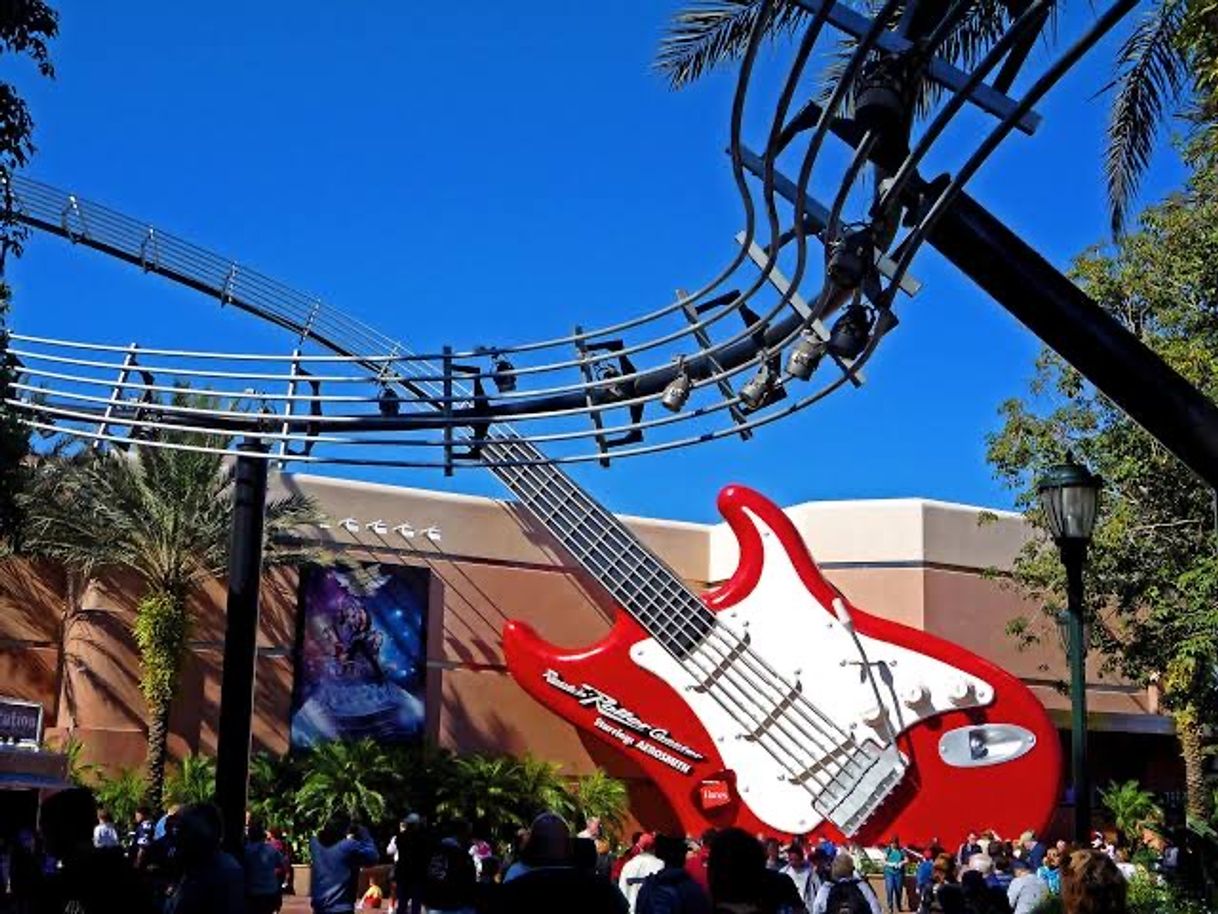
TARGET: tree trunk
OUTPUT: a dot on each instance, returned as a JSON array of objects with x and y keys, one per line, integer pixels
[
  {"x": 158, "y": 741},
  {"x": 1188, "y": 730}
]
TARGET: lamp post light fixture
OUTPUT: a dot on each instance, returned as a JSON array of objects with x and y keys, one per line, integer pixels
[{"x": 1069, "y": 497}]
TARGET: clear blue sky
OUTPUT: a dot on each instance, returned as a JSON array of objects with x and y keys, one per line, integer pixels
[{"x": 479, "y": 172}]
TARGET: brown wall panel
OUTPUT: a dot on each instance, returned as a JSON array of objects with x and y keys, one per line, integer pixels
[
  {"x": 892, "y": 593},
  {"x": 28, "y": 672},
  {"x": 31, "y": 601}
]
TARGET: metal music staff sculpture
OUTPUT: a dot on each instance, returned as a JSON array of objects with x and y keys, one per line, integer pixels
[{"x": 842, "y": 784}]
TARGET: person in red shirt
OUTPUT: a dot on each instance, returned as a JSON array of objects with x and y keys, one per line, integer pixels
[{"x": 695, "y": 864}]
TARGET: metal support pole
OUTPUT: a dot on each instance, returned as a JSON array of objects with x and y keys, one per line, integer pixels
[
  {"x": 1120, "y": 365},
  {"x": 240, "y": 642},
  {"x": 1074, "y": 554}
]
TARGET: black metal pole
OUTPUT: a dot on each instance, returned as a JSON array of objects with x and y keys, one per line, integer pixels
[
  {"x": 240, "y": 642},
  {"x": 1121, "y": 367},
  {"x": 1074, "y": 554}
]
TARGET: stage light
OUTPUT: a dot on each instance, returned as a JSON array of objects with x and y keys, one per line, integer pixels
[
  {"x": 388, "y": 401},
  {"x": 883, "y": 89},
  {"x": 758, "y": 390},
  {"x": 503, "y": 374},
  {"x": 850, "y": 257},
  {"x": 676, "y": 394},
  {"x": 805, "y": 356},
  {"x": 850, "y": 333}
]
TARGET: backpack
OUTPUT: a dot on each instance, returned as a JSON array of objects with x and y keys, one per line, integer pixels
[{"x": 846, "y": 897}]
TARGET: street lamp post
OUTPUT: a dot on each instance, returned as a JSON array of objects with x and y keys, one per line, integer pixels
[{"x": 1069, "y": 496}]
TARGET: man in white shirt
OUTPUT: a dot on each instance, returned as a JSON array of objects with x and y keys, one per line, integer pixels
[
  {"x": 841, "y": 873},
  {"x": 800, "y": 871},
  {"x": 643, "y": 864},
  {"x": 105, "y": 834}
]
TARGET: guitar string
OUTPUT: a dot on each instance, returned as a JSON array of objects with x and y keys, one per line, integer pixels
[
  {"x": 536, "y": 496},
  {"x": 766, "y": 722},
  {"x": 695, "y": 635},
  {"x": 810, "y": 769}
]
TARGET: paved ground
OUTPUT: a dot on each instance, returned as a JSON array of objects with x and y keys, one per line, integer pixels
[{"x": 293, "y": 904}]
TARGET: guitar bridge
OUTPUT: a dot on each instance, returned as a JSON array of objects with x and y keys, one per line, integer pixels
[{"x": 849, "y": 806}]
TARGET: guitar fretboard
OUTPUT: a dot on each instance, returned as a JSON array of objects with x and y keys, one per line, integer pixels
[{"x": 640, "y": 582}]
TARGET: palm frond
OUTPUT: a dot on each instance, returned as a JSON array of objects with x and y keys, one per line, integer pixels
[
  {"x": 711, "y": 32},
  {"x": 1151, "y": 71}
]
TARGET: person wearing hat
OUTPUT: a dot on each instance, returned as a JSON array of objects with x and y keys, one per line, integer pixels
[
  {"x": 642, "y": 864},
  {"x": 1033, "y": 849},
  {"x": 1027, "y": 891},
  {"x": 801, "y": 872}
]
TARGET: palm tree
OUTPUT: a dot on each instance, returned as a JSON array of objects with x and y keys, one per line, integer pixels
[
  {"x": 1133, "y": 809},
  {"x": 344, "y": 780},
  {"x": 1174, "y": 45},
  {"x": 164, "y": 515},
  {"x": 194, "y": 780},
  {"x": 597, "y": 794}
]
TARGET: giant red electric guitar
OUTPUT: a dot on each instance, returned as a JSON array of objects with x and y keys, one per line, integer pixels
[{"x": 771, "y": 703}]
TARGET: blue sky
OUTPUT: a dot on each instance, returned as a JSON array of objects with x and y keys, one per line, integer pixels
[{"x": 465, "y": 173}]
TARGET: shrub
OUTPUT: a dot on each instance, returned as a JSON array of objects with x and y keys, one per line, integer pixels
[
  {"x": 121, "y": 795},
  {"x": 599, "y": 795},
  {"x": 192, "y": 781},
  {"x": 1133, "y": 809}
]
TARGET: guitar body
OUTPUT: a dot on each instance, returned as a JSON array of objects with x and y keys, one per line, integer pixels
[{"x": 964, "y": 745}]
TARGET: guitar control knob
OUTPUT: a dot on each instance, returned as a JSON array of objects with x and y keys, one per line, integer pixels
[
  {"x": 960, "y": 691},
  {"x": 915, "y": 694},
  {"x": 872, "y": 715}
]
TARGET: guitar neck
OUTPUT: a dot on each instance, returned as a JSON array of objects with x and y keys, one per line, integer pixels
[{"x": 632, "y": 574}]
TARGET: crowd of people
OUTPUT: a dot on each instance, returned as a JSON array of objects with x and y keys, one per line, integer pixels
[{"x": 175, "y": 864}]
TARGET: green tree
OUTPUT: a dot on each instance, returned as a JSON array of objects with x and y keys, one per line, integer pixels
[
  {"x": 1132, "y": 808},
  {"x": 121, "y": 793},
  {"x": 1152, "y": 577},
  {"x": 274, "y": 781},
  {"x": 599, "y": 795},
  {"x": 1168, "y": 62},
  {"x": 193, "y": 780},
  {"x": 14, "y": 438},
  {"x": 163, "y": 514},
  {"x": 344, "y": 781},
  {"x": 26, "y": 27}
]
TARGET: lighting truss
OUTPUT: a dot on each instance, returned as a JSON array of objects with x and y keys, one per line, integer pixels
[{"x": 343, "y": 392}]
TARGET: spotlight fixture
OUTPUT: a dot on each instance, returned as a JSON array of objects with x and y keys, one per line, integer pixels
[
  {"x": 388, "y": 401},
  {"x": 850, "y": 257},
  {"x": 882, "y": 101},
  {"x": 850, "y": 333},
  {"x": 805, "y": 355},
  {"x": 503, "y": 374},
  {"x": 676, "y": 394},
  {"x": 759, "y": 389}
]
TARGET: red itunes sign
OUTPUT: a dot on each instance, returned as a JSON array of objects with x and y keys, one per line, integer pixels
[{"x": 715, "y": 794}]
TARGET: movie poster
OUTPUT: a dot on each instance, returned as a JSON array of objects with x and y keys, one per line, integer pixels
[{"x": 361, "y": 667}]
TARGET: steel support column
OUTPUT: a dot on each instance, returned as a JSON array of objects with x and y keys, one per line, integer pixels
[
  {"x": 240, "y": 642},
  {"x": 1120, "y": 365}
]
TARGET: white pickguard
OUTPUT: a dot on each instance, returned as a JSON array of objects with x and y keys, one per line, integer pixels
[{"x": 805, "y": 642}]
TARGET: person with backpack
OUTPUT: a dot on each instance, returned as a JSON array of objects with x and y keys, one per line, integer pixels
[
  {"x": 672, "y": 890},
  {"x": 845, "y": 892}
]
